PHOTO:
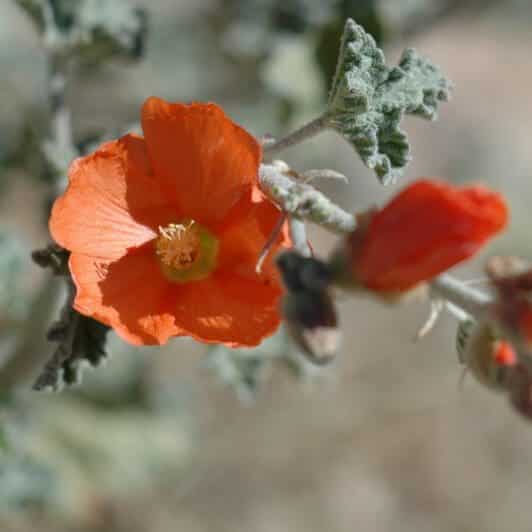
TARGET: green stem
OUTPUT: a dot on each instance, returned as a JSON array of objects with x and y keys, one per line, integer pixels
[{"x": 305, "y": 132}]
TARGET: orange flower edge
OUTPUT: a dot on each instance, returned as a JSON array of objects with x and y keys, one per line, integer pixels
[
  {"x": 426, "y": 229},
  {"x": 165, "y": 231}
]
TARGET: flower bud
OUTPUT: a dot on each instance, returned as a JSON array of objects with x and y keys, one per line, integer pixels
[
  {"x": 426, "y": 229},
  {"x": 489, "y": 359}
]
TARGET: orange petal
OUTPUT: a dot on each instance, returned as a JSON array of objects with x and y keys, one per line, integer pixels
[
  {"x": 244, "y": 234},
  {"x": 227, "y": 309},
  {"x": 205, "y": 160},
  {"x": 112, "y": 202},
  {"x": 127, "y": 295},
  {"x": 426, "y": 229}
]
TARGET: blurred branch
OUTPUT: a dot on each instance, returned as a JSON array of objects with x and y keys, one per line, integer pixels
[
  {"x": 32, "y": 350},
  {"x": 59, "y": 149}
]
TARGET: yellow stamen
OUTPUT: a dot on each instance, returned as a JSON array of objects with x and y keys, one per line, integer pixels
[
  {"x": 187, "y": 251},
  {"x": 178, "y": 245}
]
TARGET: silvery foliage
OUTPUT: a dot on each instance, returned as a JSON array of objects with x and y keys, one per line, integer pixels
[
  {"x": 368, "y": 100},
  {"x": 93, "y": 30}
]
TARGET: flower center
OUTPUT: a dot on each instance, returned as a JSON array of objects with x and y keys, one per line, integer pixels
[
  {"x": 187, "y": 251},
  {"x": 178, "y": 246}
]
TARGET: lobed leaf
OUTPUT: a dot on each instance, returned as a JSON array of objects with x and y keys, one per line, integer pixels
[{"x": 368, "y": 100}]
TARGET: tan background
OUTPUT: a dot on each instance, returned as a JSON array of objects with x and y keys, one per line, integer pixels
[{"x": 385, "y": 440}]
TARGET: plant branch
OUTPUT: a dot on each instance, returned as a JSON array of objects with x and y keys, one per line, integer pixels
[
  {"x": 303, "y": 201},
  {"x": 59, "y": 149},
  {"x": 32, "y": 349},
  {"x": 462, "y": 295},
  {"x": 298, "y": 234},
  {"x": 305, "y": 132}
]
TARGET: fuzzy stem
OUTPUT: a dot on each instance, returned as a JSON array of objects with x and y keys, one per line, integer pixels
[
  {"x": 305, "y": 132},
  {"x": 303, "y": 201},
  {"x": 298, "y": 234},
  {"x": 473, "y": 301}
]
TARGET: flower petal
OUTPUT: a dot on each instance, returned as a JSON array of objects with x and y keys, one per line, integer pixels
[
  {"x": 244, "y": 234},
  {"x": 206, "y": 161},
  {"x": 228, "y": 309},
  {"x": 112, "y": 202},
  {"x": 427, "y": 228},
  {"x": 127, "y": 295}
]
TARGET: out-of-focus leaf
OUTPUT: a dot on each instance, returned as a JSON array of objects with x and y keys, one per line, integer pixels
[
  {"x": 24, "y": 483},
  {"x": 94, "y": 30},
  {"x": 243, "y": 370},
  {"x": 368, "y": 100},
  {"x": 54, "y": 460},
  {"x": 24, "y": 480}
]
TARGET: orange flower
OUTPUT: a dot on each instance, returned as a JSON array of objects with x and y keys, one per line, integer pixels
[
  {"x": 164, "y": 231},
  {"x": 426, "y": 229}
]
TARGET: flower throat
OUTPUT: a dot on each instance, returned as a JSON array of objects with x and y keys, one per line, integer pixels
[{"x": 187, "y": 251}]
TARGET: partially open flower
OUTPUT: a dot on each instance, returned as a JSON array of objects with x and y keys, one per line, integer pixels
[
  {"x": 426, "y": 229},
  {"x": 165, "y": 230}
]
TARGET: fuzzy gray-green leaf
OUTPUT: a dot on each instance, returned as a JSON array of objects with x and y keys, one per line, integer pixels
[{"x": 369, "y": 99}]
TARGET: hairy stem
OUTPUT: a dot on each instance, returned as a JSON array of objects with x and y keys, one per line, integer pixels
[
  {"x": 305, "y": 132},
  {"x": 303, "y": 201},
  {"x": 462, "y": 295},
  {"x": 298, "y": 234}
]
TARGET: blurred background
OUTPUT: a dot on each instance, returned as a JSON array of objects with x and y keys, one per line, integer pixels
[{"x": 185, "y": 438}]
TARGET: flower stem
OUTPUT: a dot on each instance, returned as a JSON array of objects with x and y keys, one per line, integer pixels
[
  {"x": 305, "y": 132},
  {"x": 60, "y": 114},
  {"x": 462, "y": 295},
  {"x": 59, "y": 149},
  {"x": 303, "y": 201},
  {"x": 298, "y": 234}
]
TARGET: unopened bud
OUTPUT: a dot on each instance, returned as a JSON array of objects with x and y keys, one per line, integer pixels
[{"x": 489, "y": 359}]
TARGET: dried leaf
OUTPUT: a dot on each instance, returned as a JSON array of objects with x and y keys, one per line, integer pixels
[{"x": 81, "y": 339}]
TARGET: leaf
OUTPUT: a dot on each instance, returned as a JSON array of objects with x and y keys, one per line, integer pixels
[
  {"x": 80, "y": 338},
  {"x": 368, "y": 100},
  {"x": 93, "y": 30}
]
